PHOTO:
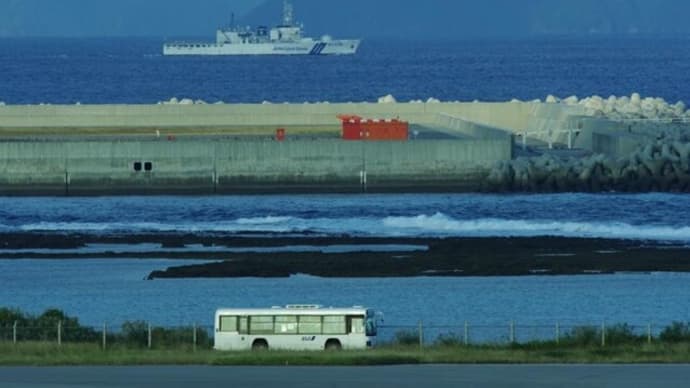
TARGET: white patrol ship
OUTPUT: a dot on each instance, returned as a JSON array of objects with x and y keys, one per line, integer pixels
[{"x": 285, "y": 39}]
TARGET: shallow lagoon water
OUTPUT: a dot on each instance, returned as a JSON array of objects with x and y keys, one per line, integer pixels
[{"x": 113, "y": 291}]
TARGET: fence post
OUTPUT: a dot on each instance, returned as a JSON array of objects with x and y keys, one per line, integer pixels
[
  {"x": 558, "y": 333},
  {"x": 194, "y": 338},
  {"x": 59, "y": 333},
  {"x": 105, "y": 331},
  {"x": 467, "y": 334},
  {"x": 512, "y": 332},
  {"x": 14, "y": 333},
  {"x": 603, "y": 334},
  {"x": 421, "y": 335},
  {"x": 649, "y": 334},
  {"x": 149, "y": 337}
]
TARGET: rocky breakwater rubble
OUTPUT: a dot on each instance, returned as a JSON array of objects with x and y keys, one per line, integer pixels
[
  {"x": 661, "y": 161},
  {"x": 626, "y": 108}
]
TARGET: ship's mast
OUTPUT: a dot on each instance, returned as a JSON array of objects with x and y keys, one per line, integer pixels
[{"x": 287, "y": 13}]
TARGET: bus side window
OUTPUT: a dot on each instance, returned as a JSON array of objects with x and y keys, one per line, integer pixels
[
  {"x": 334, "y": 324},
  {"x": 286, "y": 324},
  {"x": 261, "y": 324},
  {"x": 228, "y": 323},
  {"x": 244, "y": 326}
]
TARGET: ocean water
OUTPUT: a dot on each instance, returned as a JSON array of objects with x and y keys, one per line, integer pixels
[
  {"x": 67, "y": 71},
  {"x": 657, "y": 217},
  {"x": 95, "y": 71}
]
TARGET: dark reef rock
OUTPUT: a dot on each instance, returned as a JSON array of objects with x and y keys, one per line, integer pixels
[{"x": 455, "y": 257}]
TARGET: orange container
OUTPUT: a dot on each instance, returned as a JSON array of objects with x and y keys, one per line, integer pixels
[
  {"x": 280, "y": 134},
  {"x": 356, "y": 128}
]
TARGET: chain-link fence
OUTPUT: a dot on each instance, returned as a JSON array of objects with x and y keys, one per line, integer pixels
[
  {"x": 143, "y": 335},
  {"x": 129, "y": 335},
  {"x": 467, "y": 333}
]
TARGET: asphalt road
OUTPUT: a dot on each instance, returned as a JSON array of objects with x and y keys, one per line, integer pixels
[{"x": 612, "y": 376}]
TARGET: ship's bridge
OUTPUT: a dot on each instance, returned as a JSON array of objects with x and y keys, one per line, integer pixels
[{"x": 286, "y": 33}]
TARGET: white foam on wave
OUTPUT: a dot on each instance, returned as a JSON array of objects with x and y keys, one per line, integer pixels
[
  {"x": 440, "y": 224},
  {"x": 263, "y": 220},
  {"x": 435, "y": 225}
]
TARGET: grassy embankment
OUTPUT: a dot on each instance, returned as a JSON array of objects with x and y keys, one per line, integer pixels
[{"x": 44, "y": 354}]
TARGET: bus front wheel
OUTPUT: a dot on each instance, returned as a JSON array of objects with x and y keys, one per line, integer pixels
[
  {"x": 333, "y": 345},
  {"x": 259, "y": 345}
]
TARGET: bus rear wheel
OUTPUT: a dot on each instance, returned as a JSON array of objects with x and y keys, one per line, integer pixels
[
  {"x": 260, "y": 345},
  {"x": 333, "y": 345}
]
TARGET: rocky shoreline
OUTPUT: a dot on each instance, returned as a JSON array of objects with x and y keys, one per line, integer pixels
[{"x": 443, "y": 257}]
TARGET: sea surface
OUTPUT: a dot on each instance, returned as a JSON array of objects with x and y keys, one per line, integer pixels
[
  {"x": 96, "y": 71},
  {"x": 67, "y": 71},
  {"x": 656, "y": 217}
]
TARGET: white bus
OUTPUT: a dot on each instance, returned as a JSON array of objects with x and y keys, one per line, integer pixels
[{"x": 295, "y": 327}]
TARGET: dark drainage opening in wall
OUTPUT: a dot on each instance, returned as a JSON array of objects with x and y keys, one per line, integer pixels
[
  {"x": 137, "y": 166},
  {"x": 148, "y": 166}
]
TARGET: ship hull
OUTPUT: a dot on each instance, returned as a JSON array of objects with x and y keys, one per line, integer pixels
[{"x": 307, "y": 47}]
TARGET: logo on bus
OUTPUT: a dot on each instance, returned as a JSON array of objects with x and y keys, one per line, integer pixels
[{"x": 309, "y": 338}]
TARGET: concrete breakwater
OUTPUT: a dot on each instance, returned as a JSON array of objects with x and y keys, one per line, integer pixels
[
  {"x": 660, "y": 166},
  {"x": 453, "y": 147}
]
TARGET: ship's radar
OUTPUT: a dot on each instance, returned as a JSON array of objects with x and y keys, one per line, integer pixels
[{"x": 287, "y": 13}]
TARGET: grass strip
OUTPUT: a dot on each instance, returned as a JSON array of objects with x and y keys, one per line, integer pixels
[{"x": 70, "y": 354}]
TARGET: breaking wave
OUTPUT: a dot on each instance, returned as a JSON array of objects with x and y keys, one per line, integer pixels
[
  {"x": 435, "y": 225},
  {"x": 440, "y": 224}
]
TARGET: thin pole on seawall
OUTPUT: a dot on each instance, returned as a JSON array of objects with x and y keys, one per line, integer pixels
[
  {"x": 14, "y": 333},
  {"x": 149, "y": 342}
]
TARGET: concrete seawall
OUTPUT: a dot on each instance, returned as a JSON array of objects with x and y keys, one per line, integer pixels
[{"x": 243, "y": 166}]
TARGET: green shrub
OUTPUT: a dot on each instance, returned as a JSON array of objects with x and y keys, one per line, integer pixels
[
  {"x": 9, "y": 316},
  {"x": 406, "y": 337},
  {"x": 134, "y": 334},
  {"x": 622, "y": 334},
  {"x": 44, "y": 327},
  {"x": 582, "y": 336},
  {"x": 677, "y": 332},
  {"x": 450, "y": 339}
]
